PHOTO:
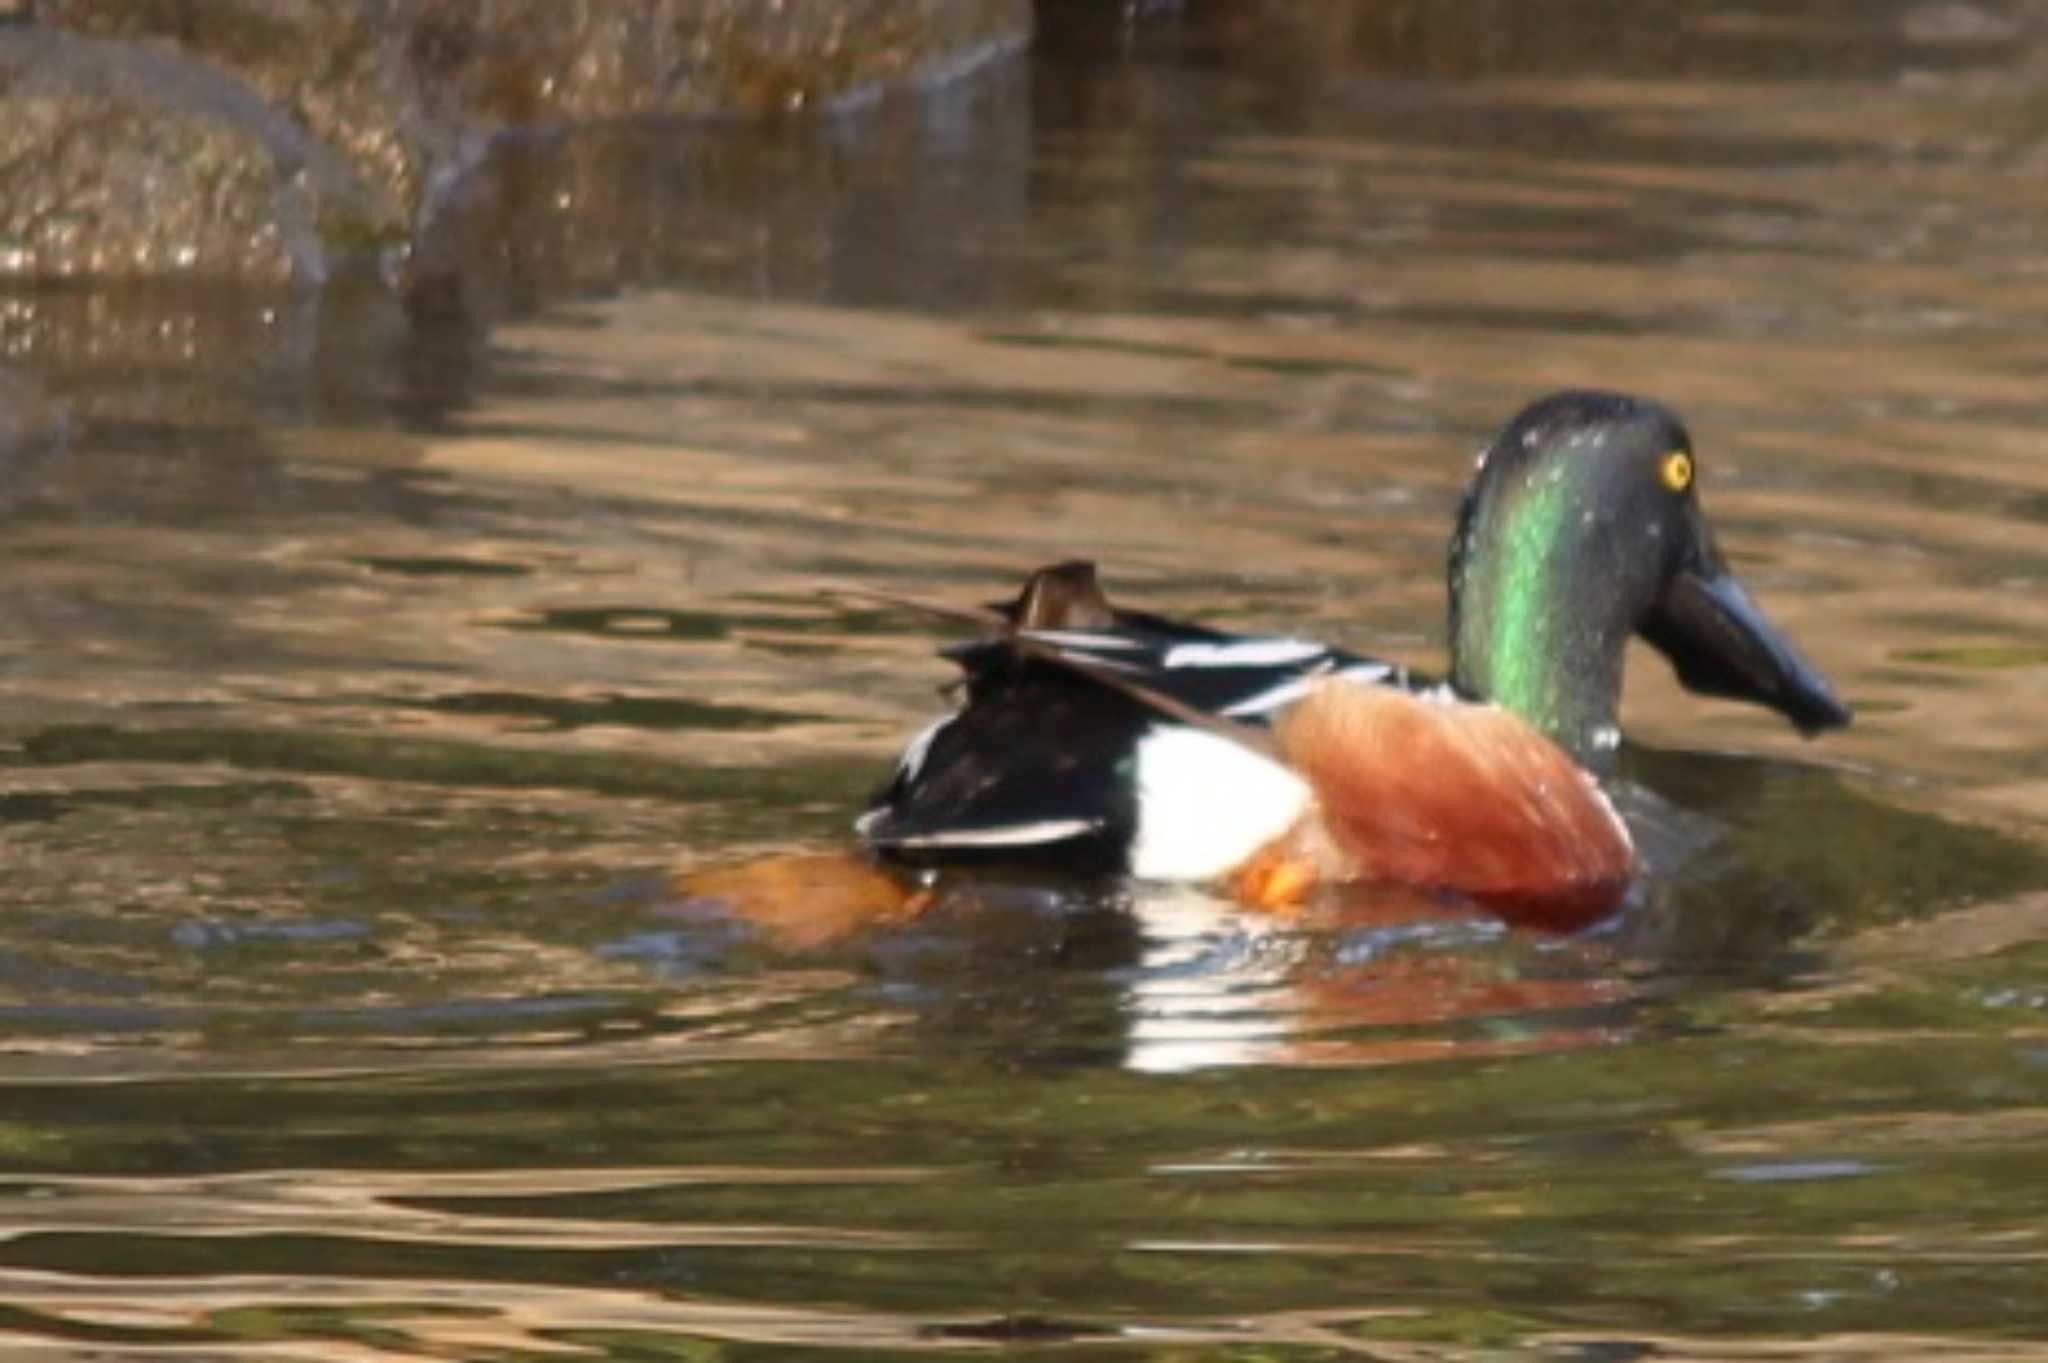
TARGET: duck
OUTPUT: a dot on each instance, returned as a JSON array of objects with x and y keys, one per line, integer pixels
[{"x": 1092, "y": 739}]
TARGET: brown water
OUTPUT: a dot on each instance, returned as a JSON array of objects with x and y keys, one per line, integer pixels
[{"x": 367, "y": 683}]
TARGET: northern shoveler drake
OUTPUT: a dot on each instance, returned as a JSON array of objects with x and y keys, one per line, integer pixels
[{"x": 1098, "y": 739}]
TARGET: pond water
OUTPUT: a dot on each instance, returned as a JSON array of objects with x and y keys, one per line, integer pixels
[{"x": 370, "y": 683}]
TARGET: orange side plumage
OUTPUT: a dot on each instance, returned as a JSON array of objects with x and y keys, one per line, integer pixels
[
  {"x": 1456, "y": 796},
  {"x": 804, "y": 901}
]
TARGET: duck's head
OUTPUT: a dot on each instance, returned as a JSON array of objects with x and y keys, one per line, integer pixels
[{"x": 1583, "y": 526}]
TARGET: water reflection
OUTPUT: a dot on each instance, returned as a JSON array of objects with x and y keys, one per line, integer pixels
[{"x": 371, "y": 677}]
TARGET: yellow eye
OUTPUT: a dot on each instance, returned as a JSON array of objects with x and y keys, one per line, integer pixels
[{"x": 1676, "y": 470}]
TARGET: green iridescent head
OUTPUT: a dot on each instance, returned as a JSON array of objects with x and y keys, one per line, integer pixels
[{"x": 1583, "y": 526}]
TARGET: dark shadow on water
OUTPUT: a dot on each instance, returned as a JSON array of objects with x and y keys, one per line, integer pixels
[
  {"x": 443, "y": 566},
  {"x": 1799, "y": 855},
  {"x": 555, "y": 714},
  {"x": 1028, "y": 972}
]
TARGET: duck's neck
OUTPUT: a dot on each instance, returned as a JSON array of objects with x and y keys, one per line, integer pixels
[{"x": 1528, "y": 628}]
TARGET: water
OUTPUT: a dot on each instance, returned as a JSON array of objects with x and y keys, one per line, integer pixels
[{"x": 369, "y": 686}]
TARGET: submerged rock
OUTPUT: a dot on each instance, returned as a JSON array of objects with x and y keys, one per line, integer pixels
[
  {"x": 188, "y": 168},
  {"x": 262, "y": 139},
  {"x": 527, "y": 61},
  {"x": 121, "y": 161},
  {"x": 519, "y": 62},
  {"x": 337, "y": 69},
  {"x": 873, "y": 206}
]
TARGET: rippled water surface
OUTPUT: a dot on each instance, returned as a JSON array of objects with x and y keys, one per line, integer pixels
[{"x": 374, "y": 686}]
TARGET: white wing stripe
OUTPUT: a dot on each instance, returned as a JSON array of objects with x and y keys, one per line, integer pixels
[
  {"x": 1272, "y": 698},
  {"x": 1243, "y": 653},
  {"x": 1002, "y": 835},
  {"x": 1082, "y": 640}
]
